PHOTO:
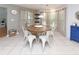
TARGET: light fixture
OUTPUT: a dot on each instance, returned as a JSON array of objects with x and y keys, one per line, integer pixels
[{"x": 14, "y": 12}]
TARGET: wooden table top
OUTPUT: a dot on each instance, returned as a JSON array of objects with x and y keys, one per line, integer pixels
[{"x": 35, "y": 30}]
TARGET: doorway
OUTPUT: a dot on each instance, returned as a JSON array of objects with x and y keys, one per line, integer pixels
[{"x": 3, "y": 21}]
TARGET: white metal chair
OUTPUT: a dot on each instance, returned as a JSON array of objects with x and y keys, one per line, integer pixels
[
  {"x": 45, "y": 38},
  {"x": 25, "y": 32},
  {"x": 53, "y": 28},
  {"x": 28, "y": 37}
]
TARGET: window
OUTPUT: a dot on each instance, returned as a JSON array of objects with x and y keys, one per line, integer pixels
[
  {"x": 26, "y": 17},
  {"x": 30, "y": 17}
]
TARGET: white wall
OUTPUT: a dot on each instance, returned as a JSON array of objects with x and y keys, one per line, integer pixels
[
  {"x": 71, "y": 9},
  {"x": 16, "y": 18},
  {"x": 16, "y": 24}
]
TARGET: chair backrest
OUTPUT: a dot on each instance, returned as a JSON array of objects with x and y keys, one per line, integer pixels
[
  {"x": 53, "y": 26},
  {"x": 25, "y": 31},
  {"x": 48, "y": 33}
]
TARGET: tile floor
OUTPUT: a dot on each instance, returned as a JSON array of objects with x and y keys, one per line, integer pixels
[{"x": 16, "y": 46}]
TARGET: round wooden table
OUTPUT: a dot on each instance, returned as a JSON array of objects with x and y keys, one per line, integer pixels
[{"x": 36, "y": 30}]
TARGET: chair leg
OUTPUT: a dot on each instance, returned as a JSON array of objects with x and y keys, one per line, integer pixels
[
  {"x": 53, "y": 36},
  {"x": 30, "y": 42},
  {"x": 48, "y": 43},
  {"x": 43, "y": 44},
  {"x": 25, "y": 37}
]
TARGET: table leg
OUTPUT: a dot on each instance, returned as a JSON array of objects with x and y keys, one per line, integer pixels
[{"x": 37, "y": 38}]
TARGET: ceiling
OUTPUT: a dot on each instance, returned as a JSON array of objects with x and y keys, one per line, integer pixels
[{"x": 40, "y": 6}]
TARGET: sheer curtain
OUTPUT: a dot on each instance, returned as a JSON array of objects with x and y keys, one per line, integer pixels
[
  {"x": 44, "y": 19},
  {"x": 49, "y": 18},
  {"x": 26, "y": 18},
  {"x": 62, "y": 21},
  {"x": 23, "y": 17},
  {"x": 30, "y": 18},
  {"x": 53, "y": 19}
]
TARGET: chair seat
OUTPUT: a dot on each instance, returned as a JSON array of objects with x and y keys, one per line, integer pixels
[
  {"x": 43, "y": 37},
  {"x": 31, "y": 36}
]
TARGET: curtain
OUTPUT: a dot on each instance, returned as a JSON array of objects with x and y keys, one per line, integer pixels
[{"x": 61, "y": 21}]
